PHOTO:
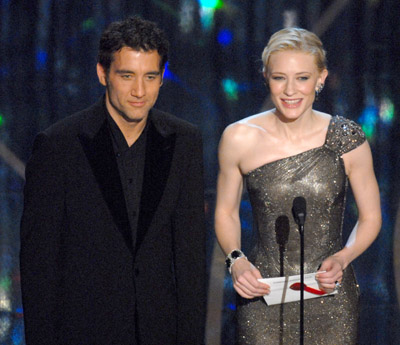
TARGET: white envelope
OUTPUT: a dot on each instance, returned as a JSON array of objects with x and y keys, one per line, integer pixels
[{"x": 281, "y": 291}]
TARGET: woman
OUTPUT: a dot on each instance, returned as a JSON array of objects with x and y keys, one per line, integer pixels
[{"x": 283, "y": 153}]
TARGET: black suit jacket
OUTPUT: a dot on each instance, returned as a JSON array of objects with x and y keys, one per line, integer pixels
[{"x": 86, "y": 279}]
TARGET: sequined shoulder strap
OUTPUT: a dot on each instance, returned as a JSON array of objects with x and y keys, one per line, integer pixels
[{"x": 344, "y": 135}]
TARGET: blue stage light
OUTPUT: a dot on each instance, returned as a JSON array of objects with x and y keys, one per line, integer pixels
[
  {"x": 41, "y": 60},
  {"x": 368, "y": 119},
  {"x": 168, "y": 75},
  {"x": 225, "y": 37}
]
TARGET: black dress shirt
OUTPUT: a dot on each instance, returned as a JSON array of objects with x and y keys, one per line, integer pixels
[{"x": 130, "y": 160}]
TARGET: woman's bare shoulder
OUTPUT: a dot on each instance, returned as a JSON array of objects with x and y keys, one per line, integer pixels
[
  {"x": 245, "y": 131},
  {"x": 325, "y": 118}
]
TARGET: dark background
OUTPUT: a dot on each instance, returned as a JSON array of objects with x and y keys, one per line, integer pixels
[{"x": 47, "y": 71}]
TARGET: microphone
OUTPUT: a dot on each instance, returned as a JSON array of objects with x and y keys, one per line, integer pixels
[
  {"x": 299, "y": 210},
  {"x": 282, "y": 228}
]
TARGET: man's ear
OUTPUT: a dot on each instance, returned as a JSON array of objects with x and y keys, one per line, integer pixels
[{"x": 101, "y": 74}]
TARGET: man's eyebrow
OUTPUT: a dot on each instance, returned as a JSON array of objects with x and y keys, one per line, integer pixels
[{"x": 126, "y": 71}]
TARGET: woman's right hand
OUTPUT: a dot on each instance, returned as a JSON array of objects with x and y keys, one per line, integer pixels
[{"x": 245, "y": 280}]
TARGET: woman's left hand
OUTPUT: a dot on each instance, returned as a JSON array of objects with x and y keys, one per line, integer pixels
[{"x": 332, "y": 270}]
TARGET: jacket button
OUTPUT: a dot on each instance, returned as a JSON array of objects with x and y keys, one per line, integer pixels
[{"x": 136, "y": 272}]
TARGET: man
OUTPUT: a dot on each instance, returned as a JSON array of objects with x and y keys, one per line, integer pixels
[{"x": 112, "y": 233}]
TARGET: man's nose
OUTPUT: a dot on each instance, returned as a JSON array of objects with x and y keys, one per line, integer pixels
[{"x": 138, "y": 88}]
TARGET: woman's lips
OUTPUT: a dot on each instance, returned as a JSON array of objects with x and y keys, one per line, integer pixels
[{"x": 291, "y": 103}]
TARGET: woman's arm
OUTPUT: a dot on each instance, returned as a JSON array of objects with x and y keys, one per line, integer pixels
[
  {"x": 359, "y": 169},
  {"x": 227, "y": 222}
]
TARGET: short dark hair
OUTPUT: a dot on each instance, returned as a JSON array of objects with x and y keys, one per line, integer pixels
[{"x": 133, "y": 32}]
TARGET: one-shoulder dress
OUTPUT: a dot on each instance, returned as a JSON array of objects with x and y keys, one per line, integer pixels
[{"x": 319, "y": 176}]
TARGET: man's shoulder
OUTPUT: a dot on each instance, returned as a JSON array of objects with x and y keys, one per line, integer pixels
[
  {"x": 78, "y": 121},
  {"x": 172, "y": 122}
]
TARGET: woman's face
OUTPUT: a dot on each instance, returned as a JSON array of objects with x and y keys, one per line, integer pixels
[{"x": 293, "y": 77}]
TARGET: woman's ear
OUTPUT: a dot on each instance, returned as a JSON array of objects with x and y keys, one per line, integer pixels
[{"x": 323, "y": 76}]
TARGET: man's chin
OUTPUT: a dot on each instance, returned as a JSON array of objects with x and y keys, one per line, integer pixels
[{"x": 134, "y": 118}]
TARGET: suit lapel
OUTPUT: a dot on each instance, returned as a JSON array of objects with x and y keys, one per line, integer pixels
[
  {"x": 100, "y": 154},
  {"x": 160, "y": 148}
]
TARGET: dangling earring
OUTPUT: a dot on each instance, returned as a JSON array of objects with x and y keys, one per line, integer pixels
[{"x": 318, "y": 91}]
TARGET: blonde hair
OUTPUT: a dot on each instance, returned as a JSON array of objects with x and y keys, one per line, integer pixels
[{"x": 295, "y": 39}]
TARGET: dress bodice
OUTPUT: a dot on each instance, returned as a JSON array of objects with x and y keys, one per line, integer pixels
[{"x": 319, "y": 176}]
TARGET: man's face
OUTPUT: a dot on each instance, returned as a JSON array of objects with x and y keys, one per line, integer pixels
[{"x": 132, "y": 85}]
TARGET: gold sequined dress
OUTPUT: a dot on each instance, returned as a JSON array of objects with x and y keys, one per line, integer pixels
[{"x": 319, "y": 176}]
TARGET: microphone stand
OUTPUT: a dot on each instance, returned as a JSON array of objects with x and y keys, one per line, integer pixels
[
  {"x": 282, "y": 229},
  {"x": 299, "y": 213},
  {"x": 301, "y": 230}
]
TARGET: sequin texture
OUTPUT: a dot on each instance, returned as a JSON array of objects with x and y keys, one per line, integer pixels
[{"x": 319, "y": 176}]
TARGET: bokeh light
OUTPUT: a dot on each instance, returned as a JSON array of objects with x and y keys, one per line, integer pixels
[
  {"x": 5, "y": 324},
  {"x": 17, "y": 335},
  {"x": 5, "y": 284},
  {"x": 186, "y": 17},
  {"x": 231, "y": 89},
  {"x": 207, "y": 9},
  {"x": 88, "y": 24},
  {"x": 168, "y": 75},
  {"x": 214, "y": 4},
  {"x": 41, "y": 60},
  {"x": 206, "y": 17},
  {"x": 368, "y": 120},
  {"x": 386, "y": 110},
  {"x": 225, "y": 37}
]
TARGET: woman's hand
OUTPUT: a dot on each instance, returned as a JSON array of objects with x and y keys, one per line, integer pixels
[
  {"x": 245, "y": 280},
  {"x": 333, "y": 272}
]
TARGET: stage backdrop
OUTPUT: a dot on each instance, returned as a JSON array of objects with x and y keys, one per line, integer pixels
[{"x": 47, "y": 71}]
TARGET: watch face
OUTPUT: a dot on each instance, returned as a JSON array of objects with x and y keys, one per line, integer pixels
[{"x": 235, "y": 254}]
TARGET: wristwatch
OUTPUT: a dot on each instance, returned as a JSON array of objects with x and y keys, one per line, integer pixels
[{"x": 232, "y": 257}]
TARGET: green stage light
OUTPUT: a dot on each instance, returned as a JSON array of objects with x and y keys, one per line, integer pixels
[
  {"x": 231, "y": 89},
  {"x": 215, "y": 4}
]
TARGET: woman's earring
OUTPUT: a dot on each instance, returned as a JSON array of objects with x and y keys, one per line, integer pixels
[{"x": 318, "y": 91}]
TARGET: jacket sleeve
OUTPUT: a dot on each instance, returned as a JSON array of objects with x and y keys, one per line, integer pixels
[
  {"x": 190, "y": 248},
  {"x": 41, "y": 226}
]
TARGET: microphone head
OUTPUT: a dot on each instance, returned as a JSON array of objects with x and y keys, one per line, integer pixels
[
  {"x": 282, "y": 228},
  {"x": 299, "y": 210}
]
